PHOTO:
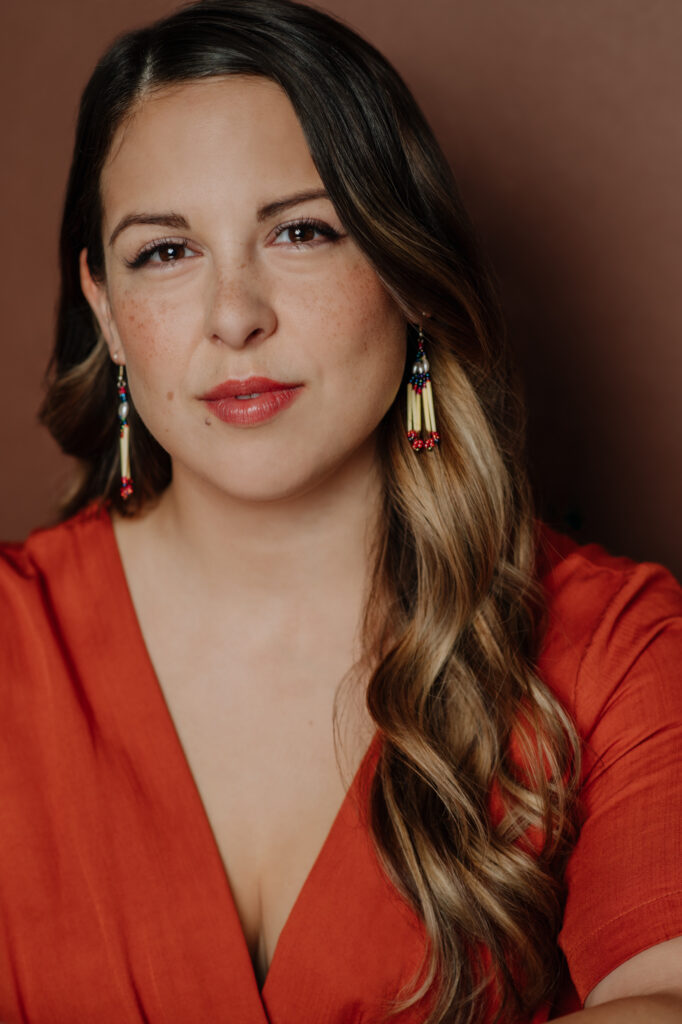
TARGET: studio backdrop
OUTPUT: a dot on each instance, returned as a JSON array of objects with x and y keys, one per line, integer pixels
[{"x": 562, "y": 123}]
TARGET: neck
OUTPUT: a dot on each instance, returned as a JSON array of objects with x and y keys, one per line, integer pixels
[{"x": 266, "y": 550}]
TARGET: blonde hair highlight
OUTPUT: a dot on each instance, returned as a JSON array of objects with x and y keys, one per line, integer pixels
[{"x": 473, "y": 801}]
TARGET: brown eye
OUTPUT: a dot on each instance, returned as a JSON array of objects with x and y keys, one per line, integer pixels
[
  {"x": 169, "y": 253},
  {"x": 162, "y": 252},
  {"x": 301, "y": 233},
  {"x": 305, "y": 232}
]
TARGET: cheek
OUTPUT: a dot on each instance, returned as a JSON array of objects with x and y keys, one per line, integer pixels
[
  {"x": 370, "y": 336},
  {"x": 150, "y": 339},
  {"x": 147, "y": 334}
]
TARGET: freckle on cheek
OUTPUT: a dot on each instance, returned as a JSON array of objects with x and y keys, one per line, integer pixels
[{"x": 170, "y": 396}]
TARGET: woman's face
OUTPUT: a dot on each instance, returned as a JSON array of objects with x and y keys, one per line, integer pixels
[{"x": 225, "y": 262}]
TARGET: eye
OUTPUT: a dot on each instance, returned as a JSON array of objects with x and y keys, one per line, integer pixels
[
  {"x": 302, "y": 233},
  {"x": 166, "y": 252}
]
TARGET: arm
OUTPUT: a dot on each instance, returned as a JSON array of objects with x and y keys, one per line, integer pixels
[
  {"x": 647, "y": 989},
  {"x": 623, "y": 917}
]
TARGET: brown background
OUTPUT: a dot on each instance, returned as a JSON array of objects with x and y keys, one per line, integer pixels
[{"x": 562, "y": 121}]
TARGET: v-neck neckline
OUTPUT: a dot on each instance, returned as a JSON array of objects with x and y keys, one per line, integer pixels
[{"x": 149, "y": 693}]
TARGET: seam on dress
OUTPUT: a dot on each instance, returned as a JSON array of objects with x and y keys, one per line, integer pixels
[{"x": 631, "y": 910}]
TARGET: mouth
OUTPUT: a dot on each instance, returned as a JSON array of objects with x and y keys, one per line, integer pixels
[{"x": 250, "y": 401}]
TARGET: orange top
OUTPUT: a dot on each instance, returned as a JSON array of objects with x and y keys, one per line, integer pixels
[{"x": 114, "y": 904}]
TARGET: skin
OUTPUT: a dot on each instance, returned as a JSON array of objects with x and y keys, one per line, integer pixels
[{"x": 249, "y": 574}]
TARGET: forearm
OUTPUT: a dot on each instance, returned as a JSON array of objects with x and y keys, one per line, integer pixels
[{"x": 652, "y": 1009}]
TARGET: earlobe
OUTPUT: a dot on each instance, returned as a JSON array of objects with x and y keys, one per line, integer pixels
[{"x": 96, "y": 294}]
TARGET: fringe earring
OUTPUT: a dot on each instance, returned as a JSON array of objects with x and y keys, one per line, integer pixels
[
  {"x": 421, "y": 418},
  {"x": 124, "y": 434}
]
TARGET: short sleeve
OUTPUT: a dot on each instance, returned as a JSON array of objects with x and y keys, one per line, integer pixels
[{"x": 624, "y": 879}]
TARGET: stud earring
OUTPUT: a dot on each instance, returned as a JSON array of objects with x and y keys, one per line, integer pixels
[
  {"x": 124, "y": 434},
  {"x": 421, "y": 418}
]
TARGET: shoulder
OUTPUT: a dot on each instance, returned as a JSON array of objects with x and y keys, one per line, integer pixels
[
  {"x": 46, "y": 548},
  {"x": 606, "y": 615},
  {"x": 584, "y": 580},
  {"x": 50, "y": 565}
]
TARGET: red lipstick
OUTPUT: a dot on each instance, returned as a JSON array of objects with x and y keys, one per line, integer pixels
[{"x": 250, "y": 401}]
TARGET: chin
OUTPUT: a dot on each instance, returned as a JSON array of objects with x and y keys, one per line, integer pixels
[
  {"x": 266, "y": 480},
  {"x": 287, "y": 475}
]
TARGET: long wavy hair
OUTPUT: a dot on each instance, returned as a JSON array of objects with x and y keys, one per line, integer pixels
[{"x": 472, "y": 803}]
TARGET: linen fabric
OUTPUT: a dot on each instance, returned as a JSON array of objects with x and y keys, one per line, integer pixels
[{"x": 114, "y": 903}]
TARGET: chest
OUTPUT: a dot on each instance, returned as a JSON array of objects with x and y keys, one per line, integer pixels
[
  {"x": 116, "y": 903},
  {"x": 257, "y": 730}
]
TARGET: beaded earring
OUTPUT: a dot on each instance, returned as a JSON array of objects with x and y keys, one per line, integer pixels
[
  {"x": 124, "y": 434},
  {"x": 421, "y": 418}
]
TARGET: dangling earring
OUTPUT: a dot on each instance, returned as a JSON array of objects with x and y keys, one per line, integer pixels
[
  {"x": 421, "y": 418},
  {"x": 124, "y": 434}
]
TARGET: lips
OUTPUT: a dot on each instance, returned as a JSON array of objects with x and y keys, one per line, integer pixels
[{"x": 250, "y": 401}]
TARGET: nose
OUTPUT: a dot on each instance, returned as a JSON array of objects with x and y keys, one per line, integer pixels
[{"x": 239, "y": 306}]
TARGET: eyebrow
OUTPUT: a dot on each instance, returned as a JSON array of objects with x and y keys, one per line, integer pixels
[{"x": 176, "y": 220}]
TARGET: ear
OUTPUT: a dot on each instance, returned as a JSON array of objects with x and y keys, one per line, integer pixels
[{"x": 98, "y": 300}]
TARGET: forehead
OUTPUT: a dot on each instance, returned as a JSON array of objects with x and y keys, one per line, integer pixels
[{"x": 218, "y": 135}]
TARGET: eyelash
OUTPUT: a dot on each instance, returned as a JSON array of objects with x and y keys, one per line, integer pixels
[{"x": 146, "y": 253}]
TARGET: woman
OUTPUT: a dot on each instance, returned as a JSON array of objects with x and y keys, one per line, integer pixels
[{"x": 294, "y": 701}]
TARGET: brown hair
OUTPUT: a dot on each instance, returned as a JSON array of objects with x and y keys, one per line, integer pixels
[{"x": 466, "y": 723}]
